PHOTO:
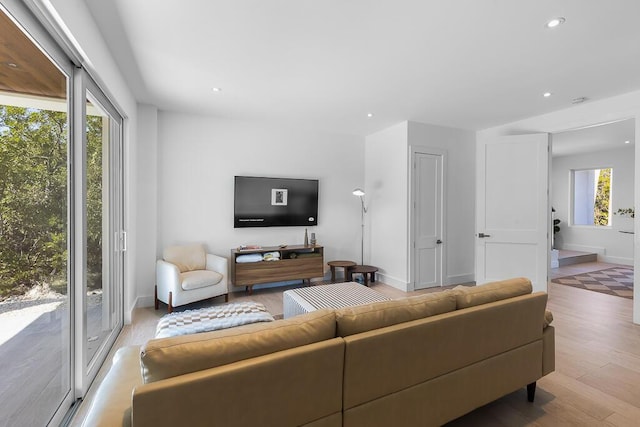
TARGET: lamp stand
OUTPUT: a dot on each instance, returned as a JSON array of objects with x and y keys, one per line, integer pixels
[{"x": 362, "y": 212}]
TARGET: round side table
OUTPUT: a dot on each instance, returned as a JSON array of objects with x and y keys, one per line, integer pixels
[
  {"x": 367, "y": 271},
  {"x": 342, "y": 264}
]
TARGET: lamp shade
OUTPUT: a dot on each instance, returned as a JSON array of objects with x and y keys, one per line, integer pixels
[{"x": 358, "y": 192}]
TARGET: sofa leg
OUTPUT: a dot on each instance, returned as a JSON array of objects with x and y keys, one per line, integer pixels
[
  {"x": 226, "y": 297},
  {"x": 170, "y": 303},
  {"x": 155, "y": 297},
  {"x": 531, "y": 391}
]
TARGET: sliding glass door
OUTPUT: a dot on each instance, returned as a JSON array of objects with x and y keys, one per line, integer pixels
[
  {"x": 36, "y": 283},
  {"x": 101, "y": 263},
  {"x": 61, "y": 225}
]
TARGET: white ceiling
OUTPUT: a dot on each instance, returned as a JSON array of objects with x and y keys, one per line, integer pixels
[
  {"x": 325, "y": 64},
  {"x": 608, "y": 136}
]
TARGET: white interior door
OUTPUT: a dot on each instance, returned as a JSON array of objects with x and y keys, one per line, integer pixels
[
  {"x": 428, "y": 218},
  {"x": 513, "y": 210}
]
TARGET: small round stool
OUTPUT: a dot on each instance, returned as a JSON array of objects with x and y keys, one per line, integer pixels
[
  {"x": 364, "y": 270},
  {"x": 343, "y": 264}
]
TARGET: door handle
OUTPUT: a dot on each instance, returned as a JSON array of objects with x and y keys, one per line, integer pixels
[
  {"x": 438, "y": 242},
  {"x": 482, "y": 235}
]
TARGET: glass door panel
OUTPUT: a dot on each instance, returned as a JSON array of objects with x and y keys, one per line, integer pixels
[
  {"x": 99, "y": 319},
  {"x": 35, "y": 280},
  {"x": 104, "y": 271}
]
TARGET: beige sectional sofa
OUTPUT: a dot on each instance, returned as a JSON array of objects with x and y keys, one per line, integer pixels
[{"x": 418, "y": 361}]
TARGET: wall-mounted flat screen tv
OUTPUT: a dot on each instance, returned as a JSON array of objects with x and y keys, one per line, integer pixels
[{"x": 275, "y": 202}]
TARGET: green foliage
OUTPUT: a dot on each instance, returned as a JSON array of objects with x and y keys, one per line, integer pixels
[
  {"x": 630, "y": 212},
  {"x": 94, "y": 202},
  {"x": 34, "y": 198},
  {"x": 603, "y": 193}
]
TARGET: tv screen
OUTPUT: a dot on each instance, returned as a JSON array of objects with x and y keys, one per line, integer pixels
[{"x": 275, "y": 202}]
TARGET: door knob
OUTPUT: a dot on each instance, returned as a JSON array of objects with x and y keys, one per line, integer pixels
[
  {"x": 482, "y": 235},
  {"x": 439, "y": 242}
]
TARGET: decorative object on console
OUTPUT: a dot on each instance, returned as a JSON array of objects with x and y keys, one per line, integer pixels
[
  {"x": 313, "y": 239},
  {"x": 360, "y": 193},
  {"x": 306, "y": 238}
]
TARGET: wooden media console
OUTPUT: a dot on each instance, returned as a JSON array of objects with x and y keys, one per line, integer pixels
[{"x": 297, "y": 262}]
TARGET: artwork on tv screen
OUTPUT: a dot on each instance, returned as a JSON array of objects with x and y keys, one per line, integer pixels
[{"x": 275, "y": 202}]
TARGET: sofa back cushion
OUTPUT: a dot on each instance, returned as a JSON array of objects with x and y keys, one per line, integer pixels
[
  {"x": 186, "y": 257},
  {"x": 169, "y": 357},
  {"x": 383, "y": 362},
  {"x": 353, "y": 320},
  {"x": 495, "y": 291}
]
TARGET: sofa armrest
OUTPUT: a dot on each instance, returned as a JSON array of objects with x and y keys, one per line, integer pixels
[
  {"x": 286, "y": 388},
  {"x": 548, "y": 350},
  {"x": 111, "y": 403}
]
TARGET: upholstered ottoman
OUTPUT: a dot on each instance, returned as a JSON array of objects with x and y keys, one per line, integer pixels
[
  {"x": 305, "y": 300},
  {"x": 212, "y": 318}
]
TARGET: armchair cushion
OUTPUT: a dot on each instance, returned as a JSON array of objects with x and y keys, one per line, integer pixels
[
  {"x": 199, "y": 279},
  {"x": 187, "y": 257}
]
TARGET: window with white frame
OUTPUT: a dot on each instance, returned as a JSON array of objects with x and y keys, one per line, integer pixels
[{"x": 592, "y": 196}]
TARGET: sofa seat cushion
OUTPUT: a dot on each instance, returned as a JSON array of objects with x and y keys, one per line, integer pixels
[
  {"x": 353, "y": 320},
  {"x": 467, "y": 296},
  {"x": 169, "y": 357},
  {"x": 199, "y": 279},
  {"x": 186, "y": 257}
]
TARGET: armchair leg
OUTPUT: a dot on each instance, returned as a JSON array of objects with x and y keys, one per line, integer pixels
[
  {"x": 170, "y": 304},
  {"x": 155, "y": 297}
]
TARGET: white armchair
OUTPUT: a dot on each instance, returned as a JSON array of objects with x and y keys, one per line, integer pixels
[{"x": 188, "y": 274}]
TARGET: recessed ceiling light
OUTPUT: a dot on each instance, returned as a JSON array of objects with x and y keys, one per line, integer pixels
[
  {"x": 546, "y": 94},
  {"x": 216, "y": 89},
  {"x": 627, "y": 142},
  {"x": 555, "y": 22},
  {"x": 369, "y": 114}
]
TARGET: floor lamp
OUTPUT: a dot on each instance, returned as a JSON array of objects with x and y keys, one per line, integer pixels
[{"x": 360, "y": 193}]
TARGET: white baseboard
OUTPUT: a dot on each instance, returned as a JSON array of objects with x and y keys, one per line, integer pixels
[
  {"x": 616, "y": 260},
  {"x": 144, "y": 301},
  {"x": 582, "y": 248},
  {"x": 392, "y": 281},
  {"x": 457, "y": 279}
]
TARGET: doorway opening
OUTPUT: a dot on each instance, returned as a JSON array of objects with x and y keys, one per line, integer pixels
[{"x": 584, "y": 243}]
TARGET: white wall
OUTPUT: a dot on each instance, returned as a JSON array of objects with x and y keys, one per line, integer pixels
[
  {"x": 198, "y": 157},
  {"x": 608, "y": 242},
  {"x": 147, "y": 212},
  {"x": 611, "y": 109},
  {"x": 388, "y": 173},
  {"x": 460, "y": 195},
  {"x": 386, "y": 187}
]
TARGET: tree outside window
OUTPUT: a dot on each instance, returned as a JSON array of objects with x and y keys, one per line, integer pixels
[{"x": 592, "y": 196}]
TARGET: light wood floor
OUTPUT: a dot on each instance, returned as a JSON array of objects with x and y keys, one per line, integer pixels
[{"x": 597, "y": 377}]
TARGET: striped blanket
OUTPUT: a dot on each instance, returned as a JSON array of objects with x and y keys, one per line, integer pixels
[{"x": 212, "y": 319}]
